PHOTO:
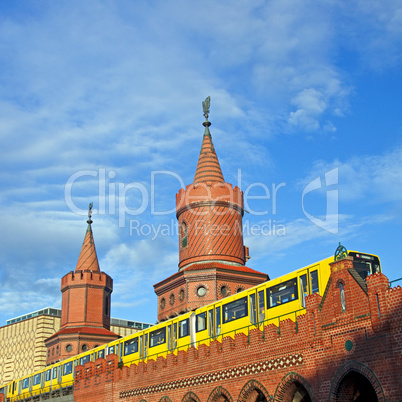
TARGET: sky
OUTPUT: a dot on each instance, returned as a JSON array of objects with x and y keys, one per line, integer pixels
[{"x": 101, "y": 101}]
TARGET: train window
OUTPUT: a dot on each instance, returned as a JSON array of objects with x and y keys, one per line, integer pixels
[
  {"x": 101, "y": 353},
  {"x": 25, "y": 383},
  {"x": 111, "y": 350},
  {"x": 84, "y": 360},
  {"x": 48, "y": 375},
  {"x": 365, "y": 264},
  {"x": 67, "y": 368},
  {"x": 201, "y": 322},
  {"x": 282, "y": 293},
  {"x": 184, "y": 328},
  {"x": 131, "y": 346},
  {"x": 157, "y": 337},
  {"x": 37, "y": 378},
  {"x": 235, "y": 310},
  {"x": 314, "y": 281},
  {"x": 54, "y": 373}
]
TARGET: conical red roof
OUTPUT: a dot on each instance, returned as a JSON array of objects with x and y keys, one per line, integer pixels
[
  {"x": 88, "y": 260},
  {"x": 208, "y": 167}
]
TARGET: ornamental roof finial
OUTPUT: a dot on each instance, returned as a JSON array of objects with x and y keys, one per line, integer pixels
[{"x": 89, "y": 221}]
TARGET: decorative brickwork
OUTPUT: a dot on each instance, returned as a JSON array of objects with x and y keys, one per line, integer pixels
[
  {"x": 211, "y": 249},
  {"x": 330, "y": 355},
  {"x": 85, "y": 309}
]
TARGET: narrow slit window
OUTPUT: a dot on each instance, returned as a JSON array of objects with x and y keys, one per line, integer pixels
[{"x": 342, "y": 293}]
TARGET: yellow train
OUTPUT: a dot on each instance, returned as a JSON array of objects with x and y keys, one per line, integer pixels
[{"x": 269, "y": 302}]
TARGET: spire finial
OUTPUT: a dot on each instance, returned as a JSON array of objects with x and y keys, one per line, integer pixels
[
  {"x": 89, "y": 221},
  {"x": 205, "y": 107}
]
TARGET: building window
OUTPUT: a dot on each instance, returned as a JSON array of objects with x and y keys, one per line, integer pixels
[
  {"x": 181, "y": 295},
  {"x": 201, "y": 291},
  {"x": 342, "y": 294},
  {"x": 171, "y": 299},
  {"x": 224, "y": 291},
  {"x": 184, "y": 235},
  {"x": 84, "y": 347},
  {"x": 69, "y": 348},
  {"x": 163, "y": 303},
  {"x": 107, "y": 303}
]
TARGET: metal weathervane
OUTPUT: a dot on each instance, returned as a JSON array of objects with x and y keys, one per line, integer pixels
[{"x": 205, "y": 106}]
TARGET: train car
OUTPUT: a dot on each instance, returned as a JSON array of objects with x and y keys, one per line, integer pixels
[{"x": 268, "y": 303}]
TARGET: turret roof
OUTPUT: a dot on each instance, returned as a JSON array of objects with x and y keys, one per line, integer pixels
[
  {"x": 208, "y": 167},
  {"x": 88, "y": 260}
]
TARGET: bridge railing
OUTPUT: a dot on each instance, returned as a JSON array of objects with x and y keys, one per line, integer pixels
[{"x": 394, "y": 281}]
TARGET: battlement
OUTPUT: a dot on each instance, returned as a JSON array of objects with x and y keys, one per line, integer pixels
[
  {"x": 86, "y": 277},
  {"x": 209, "y": 191}
]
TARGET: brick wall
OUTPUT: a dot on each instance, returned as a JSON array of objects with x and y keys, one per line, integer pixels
[{"x": 324, "y": 355}]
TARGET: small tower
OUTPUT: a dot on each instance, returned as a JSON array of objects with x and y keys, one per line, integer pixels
[
  {"x": 212, "y": 255},
  {"x": 85, "y": 309}
]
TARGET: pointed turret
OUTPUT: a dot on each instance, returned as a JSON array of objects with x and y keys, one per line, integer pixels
[
  {"x": 88, "y": 259},
  {"x": 212, "y": 255},
  {"x": 85, "y": 305}
]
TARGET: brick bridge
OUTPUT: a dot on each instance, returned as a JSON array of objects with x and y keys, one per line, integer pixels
[{"x": 334, "y": 353}]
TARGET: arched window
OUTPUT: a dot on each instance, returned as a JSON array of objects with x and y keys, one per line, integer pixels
[
  {"x": 342, "y": 293},
  {"x": 184, "y": 235}
]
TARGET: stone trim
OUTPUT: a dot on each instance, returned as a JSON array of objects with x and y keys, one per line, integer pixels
[{"x": 234, "y": 372}]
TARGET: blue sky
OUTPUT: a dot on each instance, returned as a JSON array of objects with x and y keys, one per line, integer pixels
[{"x": 101, "y": 102}]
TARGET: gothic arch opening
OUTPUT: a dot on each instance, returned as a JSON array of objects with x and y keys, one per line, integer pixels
[
  {"x": 355, "y": 387},
  {"x": 190, "y": 397},
  {"x": 355, "y": 382},
  {"x": 220, "y": 394},
  {"x": 294, "y": 388},
  {"x": 253, "y": 391}
]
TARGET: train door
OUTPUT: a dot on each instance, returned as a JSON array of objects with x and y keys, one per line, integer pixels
[
  {"x": 214, "y": 321},
  {"x": 59, "y": 375},
  {"x": 192, "y": 329},
  {"x": 308, "y": 283},
  {"x": 304, "y": 288},
  {"x": 172, "y": 336},
  {"x": 257, "y": 306},
  {"x": 143, "y": 346}
]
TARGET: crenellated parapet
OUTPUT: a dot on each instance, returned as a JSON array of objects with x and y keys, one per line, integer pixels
[
  {"x": 209, "y": 193},
  {"x": 86, "y": 277}
]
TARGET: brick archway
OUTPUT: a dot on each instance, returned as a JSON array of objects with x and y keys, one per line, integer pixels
[
  {"x": 291, "y": 384},
  {"x": 165, "y": 399},
  {"x": 220, "y": 394},
  {"x": 353, "y": 372},
  {"x": 254, "y": 391},
  {"x": 190, "y": 397}
]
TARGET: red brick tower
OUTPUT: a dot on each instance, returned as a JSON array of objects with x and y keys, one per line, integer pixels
[
  {"x": 211, "y": 250},
  {"x": 85, "y": 309}
]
